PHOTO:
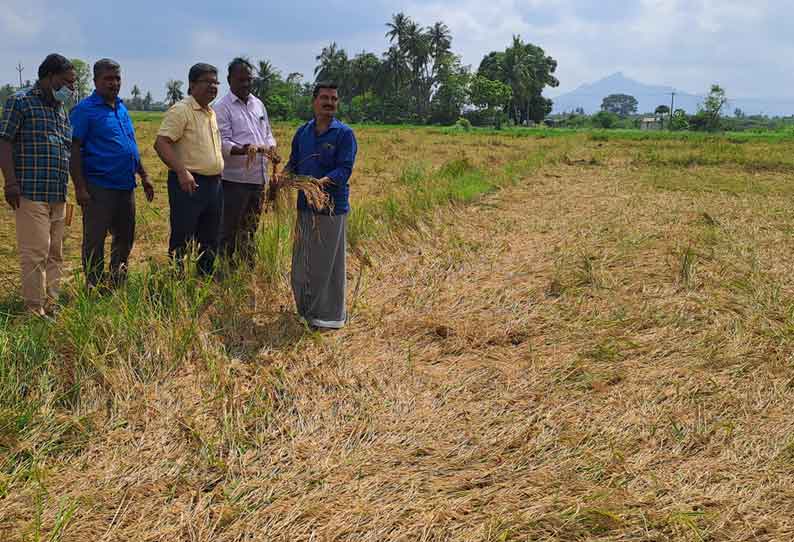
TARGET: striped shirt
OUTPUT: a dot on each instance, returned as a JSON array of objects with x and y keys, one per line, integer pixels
[{"x": 41, "y": 137}]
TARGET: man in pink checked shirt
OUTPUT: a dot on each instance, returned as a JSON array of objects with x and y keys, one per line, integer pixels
[{"x": 246, "y": 141}]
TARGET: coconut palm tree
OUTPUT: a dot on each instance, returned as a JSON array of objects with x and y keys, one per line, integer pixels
[
  {"x": 136, "y": 97},
  {"x": 173, "y": 91},
  {"x": 440, "y": 39},
  {"x": 333, "y": 65},
  {"x": 363, "y": 73},
  {"x": 394, "y": 69},
  {"x": 266, "y": 78},
  {"x": 397, "y": 28}
]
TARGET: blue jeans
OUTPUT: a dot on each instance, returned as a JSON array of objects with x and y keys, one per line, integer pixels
[{"x": 196, "y": 217}]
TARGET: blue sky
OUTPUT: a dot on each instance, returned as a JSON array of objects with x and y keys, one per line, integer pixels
[{"x": 689, "y": 44}]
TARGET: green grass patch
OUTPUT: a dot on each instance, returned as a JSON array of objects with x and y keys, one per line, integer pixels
[
  {"x": 147, "y": 116},
  {"x": 717, "y": 179},
  {"x": 456, "y": 181}
]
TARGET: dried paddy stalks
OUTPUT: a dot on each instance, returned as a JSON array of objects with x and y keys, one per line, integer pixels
[{"x": 312, "y": 188}]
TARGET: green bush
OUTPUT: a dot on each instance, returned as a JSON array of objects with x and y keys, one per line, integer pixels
[{"x": 605, "y": 119}]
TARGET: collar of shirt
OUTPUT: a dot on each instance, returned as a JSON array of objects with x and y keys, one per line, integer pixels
[
  {"x": 38, "y": 92},
  {"x": 335, "y": 124},
  {"x": 191, "y": 101},
  {"x": 236, "y": 98},
  {"x": 96, "y": 99}
]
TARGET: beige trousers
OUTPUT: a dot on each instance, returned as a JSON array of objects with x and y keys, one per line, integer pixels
[{"x": 40, "y": 231}]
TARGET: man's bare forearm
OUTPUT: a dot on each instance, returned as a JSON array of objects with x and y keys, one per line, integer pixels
[
  {"x": 7, "y": 163},
  {"x": 141, "y": 171},
  {"x": 165, "y": 150},
  {"x": 76, "y": 167}
]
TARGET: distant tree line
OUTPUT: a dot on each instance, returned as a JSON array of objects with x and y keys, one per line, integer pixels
[
  {"x": 418, "y": 79},
  {"x": 620, "y": 111},
  {"x": 84, "y": 87}
]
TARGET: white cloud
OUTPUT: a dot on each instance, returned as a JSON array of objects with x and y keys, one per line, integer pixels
[
  {"x": 683, "y": 43},
  {"x": 31, "y": 29},
  {"x": 35, "y": 21},
  {"x": 17, "y": 25}
]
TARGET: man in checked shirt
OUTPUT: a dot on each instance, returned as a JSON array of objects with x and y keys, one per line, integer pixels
[
  {"x": 246, "y": 140},
  {"x": 35, "y": 143}
]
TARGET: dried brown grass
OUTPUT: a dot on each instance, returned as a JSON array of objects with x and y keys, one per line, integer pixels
[
  {"x": 316, "y": 197},
  {"x": 483, "y": 391}
]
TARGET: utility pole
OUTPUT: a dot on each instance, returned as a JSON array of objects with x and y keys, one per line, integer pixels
[
  {"x": 672, "y": 108},
  {"x": 20, "y": 68}
]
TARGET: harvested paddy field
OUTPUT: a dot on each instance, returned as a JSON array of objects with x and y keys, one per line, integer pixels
[
  {"x": 580, "y": 337},
  {"x": 388, "y": 158}
]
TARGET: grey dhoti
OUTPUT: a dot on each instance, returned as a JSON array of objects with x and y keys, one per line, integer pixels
[{"x": 318, "y": 268}]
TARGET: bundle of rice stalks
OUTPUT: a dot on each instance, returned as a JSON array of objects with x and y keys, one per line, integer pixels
[
  {"x": 270, "y": 153},
  {"x": 312, "y": 188}
]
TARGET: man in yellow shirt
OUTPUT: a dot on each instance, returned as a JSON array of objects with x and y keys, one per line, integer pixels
[{"x": 189, "y": 143}]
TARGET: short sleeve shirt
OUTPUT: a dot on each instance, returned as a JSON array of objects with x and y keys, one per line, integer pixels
[
  {"x": 197, "y": 140},
  {"x": 108, "y": 148},
  {"x": 41, "y": 137}
]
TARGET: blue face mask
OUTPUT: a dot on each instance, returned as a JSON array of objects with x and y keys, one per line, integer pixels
[{"x": 62, "y": 94}]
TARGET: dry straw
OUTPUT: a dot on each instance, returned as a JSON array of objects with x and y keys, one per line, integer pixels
[
  {"x": 312, "y": 189},
  {"x": 281, "y": 183},
  {"x": 468, "y": 400}
]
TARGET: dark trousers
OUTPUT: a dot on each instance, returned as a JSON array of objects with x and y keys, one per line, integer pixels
[
  {"x": 196, "y": 218},
  {"x": 242, "y": 205},
  {"x": 110, "y": 211}
]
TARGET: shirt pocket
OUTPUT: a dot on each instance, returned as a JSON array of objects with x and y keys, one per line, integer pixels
[
  {"x": 112, "y": 131},
  {"x": 59, "y": 136},
  {"x": 190, "y": 129},
  {"x": 327, "y": 154},
  {"x": 129, "y": 132},
  {"x": 64, "y": 129}
]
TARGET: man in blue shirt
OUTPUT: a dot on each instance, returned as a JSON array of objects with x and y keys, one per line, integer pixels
[
  {"x": 104, "y": 162},
  {"x": 323, "y": 148}
]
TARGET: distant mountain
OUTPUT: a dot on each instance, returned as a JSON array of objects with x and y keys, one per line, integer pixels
[{"x": 589, "y": 97}]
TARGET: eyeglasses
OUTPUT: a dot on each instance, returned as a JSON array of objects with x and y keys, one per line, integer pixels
[{"x": 212, "y": 82}]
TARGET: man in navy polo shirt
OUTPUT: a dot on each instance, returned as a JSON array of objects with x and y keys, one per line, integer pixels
[
  {"x": 323, "y": 148},
  {"x": 104, "y": 162}
]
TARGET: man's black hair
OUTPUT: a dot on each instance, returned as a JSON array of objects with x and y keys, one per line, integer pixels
[
  {"x": 200, "y": 69},
  {"x": 103, "y": 65},
  {"x": 239, "y": 62},
  {"x": 321, "y": 85},
  {"x": 54, "y": 64}
]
